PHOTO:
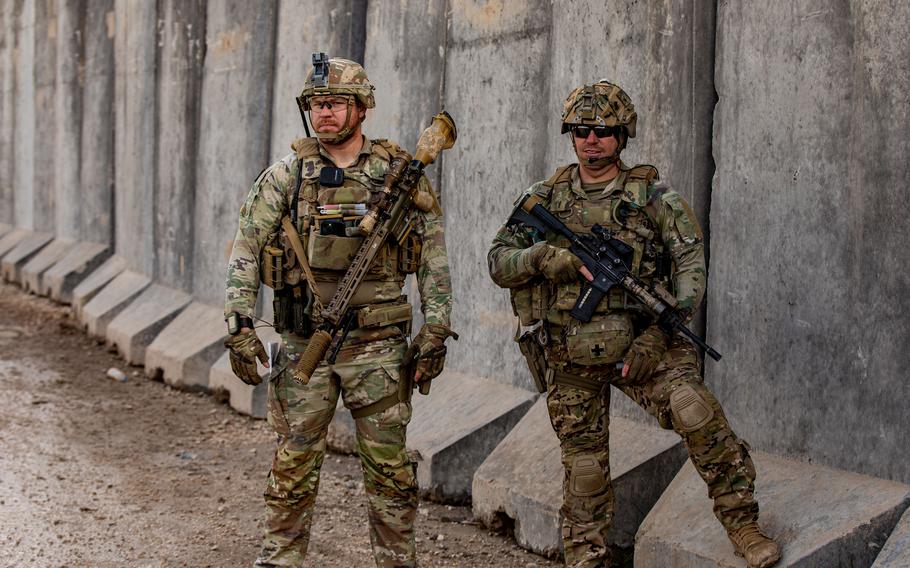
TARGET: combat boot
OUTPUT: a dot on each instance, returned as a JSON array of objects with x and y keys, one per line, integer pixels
[{"x": 758, "y": 550}]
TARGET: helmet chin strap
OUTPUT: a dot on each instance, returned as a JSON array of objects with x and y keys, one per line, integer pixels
[
  {"x": 606, "y": 161},
  {"x": 343, "y": 134}
]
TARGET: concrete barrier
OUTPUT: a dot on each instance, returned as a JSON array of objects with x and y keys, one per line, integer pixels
[
  {"x": 33, "y": 271},
  {"x": 300, "y": 31},
  {"x": 45, "y": 72},
  {"x": 896, "y": 551},
  {"x": 520, "y": 482},
  {"x": 61, "y": 280},
  {"x": 820, "y": 516},
  {"x": 24, "y": 114},
  {"x": 11, "y": 239},
  {"x": 24, "y": 251},
  {"x": 111, "y": 300},
  {"x": 455, "y": 428},
  {"x": 96, "y": 165},
  {"x": 181, "y": 50},
  {"x": 234, "y": 132},
  {"x": 183, "y": 353},
  {"x": 133, "y": 329},
  {"x": 89, "y": 287},
  {"x": 496, "y": 82},
  {"x": 135, "y": 51},
  {"x": 805, "y": 303},
  {"x": 7, "y": 111}
]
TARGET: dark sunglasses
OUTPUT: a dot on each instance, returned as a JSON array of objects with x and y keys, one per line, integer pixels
[{"x": 582, "y": 131}]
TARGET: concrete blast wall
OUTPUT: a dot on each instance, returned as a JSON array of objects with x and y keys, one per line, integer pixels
[
  {"x": 7, "y": 112},
  {"x": 235, "y": 130},
  {"x": 808, "y": 298}
]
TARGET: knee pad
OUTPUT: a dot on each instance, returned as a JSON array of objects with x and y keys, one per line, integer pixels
[
  {"x": 587, "y": 477},
  {"x": 690, "y": 410}
]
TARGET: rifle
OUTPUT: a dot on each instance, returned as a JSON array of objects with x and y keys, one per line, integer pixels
[
  {"x": 608, "y": 259},
  {"x": 388, "y": 217}
]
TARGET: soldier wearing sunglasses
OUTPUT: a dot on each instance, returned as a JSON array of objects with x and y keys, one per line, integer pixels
[{"x": 622, "y": 345}]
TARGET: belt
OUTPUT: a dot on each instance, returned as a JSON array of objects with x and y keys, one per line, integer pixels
[{"x": 576, "y": 381}]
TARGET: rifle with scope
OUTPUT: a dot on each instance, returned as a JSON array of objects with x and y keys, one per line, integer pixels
[{"x": 608, "y": 259}]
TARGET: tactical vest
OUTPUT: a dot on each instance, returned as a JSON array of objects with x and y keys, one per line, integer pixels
[
  {"x": 329, "y": 253},
  {"x": 623, "y": 210}
]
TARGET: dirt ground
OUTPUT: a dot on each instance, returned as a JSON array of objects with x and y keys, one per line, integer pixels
[{"x": 97, "y": 472}]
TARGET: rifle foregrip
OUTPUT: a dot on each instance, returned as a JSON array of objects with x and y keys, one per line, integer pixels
[{"x": 315, "y": 351}]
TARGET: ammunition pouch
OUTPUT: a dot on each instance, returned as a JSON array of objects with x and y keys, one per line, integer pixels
[
  {"x": 535, "y": 356},
  {"x": 272, "y": 267},
  {"x": 293, "y": 310},
  {"x": 409, "y": 253},
  {"x": 531, "y": 302}
]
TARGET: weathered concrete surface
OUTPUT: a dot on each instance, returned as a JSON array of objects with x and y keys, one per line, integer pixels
[
  {"x": 45, "y": 71},
  {"x": 820, "y": 516},
  {"x": 522, "y": 478},
  {"x": 11, "y": 239},
  {"x": 24, "y": 251},
  {"x": 4, "y": 229},
  {"x": 181, "y": 48},
  {"x": 24, "y": 113},
  {"x": 98, "y": 312},
  {"x": 805, "y": 302},
  {"x": 405, "y": 58},
  {"x": 67, "y": 135},
  {"x": 234, "y": 132},
  {"x": 896, "y": 552},
  {"x": 33, "y": 271},
  {"x": 133, "y": 329},
  {"x": 7, "y": 111},
  {"x": 245, "y": 399},
  {"x": 496, "y": 74},
  {"x": 96, "y": 183},
  {"x": 300, "y": 31},
  {"x": 456, "y": 427},
  {"x": 95, "y": 282},
  {"x": 134, "y": 169},
  {"x": 184, "y": 352},
  {"x": 60, "y": 280}
]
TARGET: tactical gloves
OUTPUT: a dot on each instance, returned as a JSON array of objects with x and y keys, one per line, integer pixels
[
  {"x": 427, "y": 353},
  {"x": 645, "y": 353},
  {"x": 557, "y": 264},
  {"x": 245, "y": 348}
]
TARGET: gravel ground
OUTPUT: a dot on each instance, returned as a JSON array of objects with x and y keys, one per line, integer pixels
[{"x": 97, "y": 472}]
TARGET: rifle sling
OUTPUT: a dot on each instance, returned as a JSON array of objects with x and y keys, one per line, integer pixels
[{"x": 294, "y": 237}]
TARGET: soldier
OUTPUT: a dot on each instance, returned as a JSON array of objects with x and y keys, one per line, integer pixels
[
  {"x": 659, "y": 372},
  {"x": 309, "y": 202}
]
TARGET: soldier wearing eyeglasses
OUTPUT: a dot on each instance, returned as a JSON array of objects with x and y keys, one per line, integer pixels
[
  {"x": 622, "y": 345},
  {"x": 297, "y": 235}
]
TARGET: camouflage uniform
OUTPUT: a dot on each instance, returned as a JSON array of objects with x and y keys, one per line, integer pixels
[
  {"x": 367, "y": 367},
  {"x": 582, "y": 357}
]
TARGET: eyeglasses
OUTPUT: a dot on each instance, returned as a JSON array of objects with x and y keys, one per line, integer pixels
[
  {"x": 334, "y": 105},
  {"x": 583, "y": 130}
]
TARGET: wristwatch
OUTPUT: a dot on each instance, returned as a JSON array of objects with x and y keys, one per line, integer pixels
[{"x": 236, "y": 322}]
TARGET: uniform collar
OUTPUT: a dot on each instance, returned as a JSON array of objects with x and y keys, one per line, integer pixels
[
  {"x": 578, "y": 190},
  {"x": 365, "y": 150}
]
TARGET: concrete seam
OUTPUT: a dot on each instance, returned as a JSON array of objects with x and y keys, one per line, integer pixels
[{"x": 441, "y": 100}]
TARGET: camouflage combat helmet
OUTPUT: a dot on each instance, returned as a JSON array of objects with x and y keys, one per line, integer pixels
[
  {"x": 600, "y": 104},
  {"x": 336, "y": 76}
]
